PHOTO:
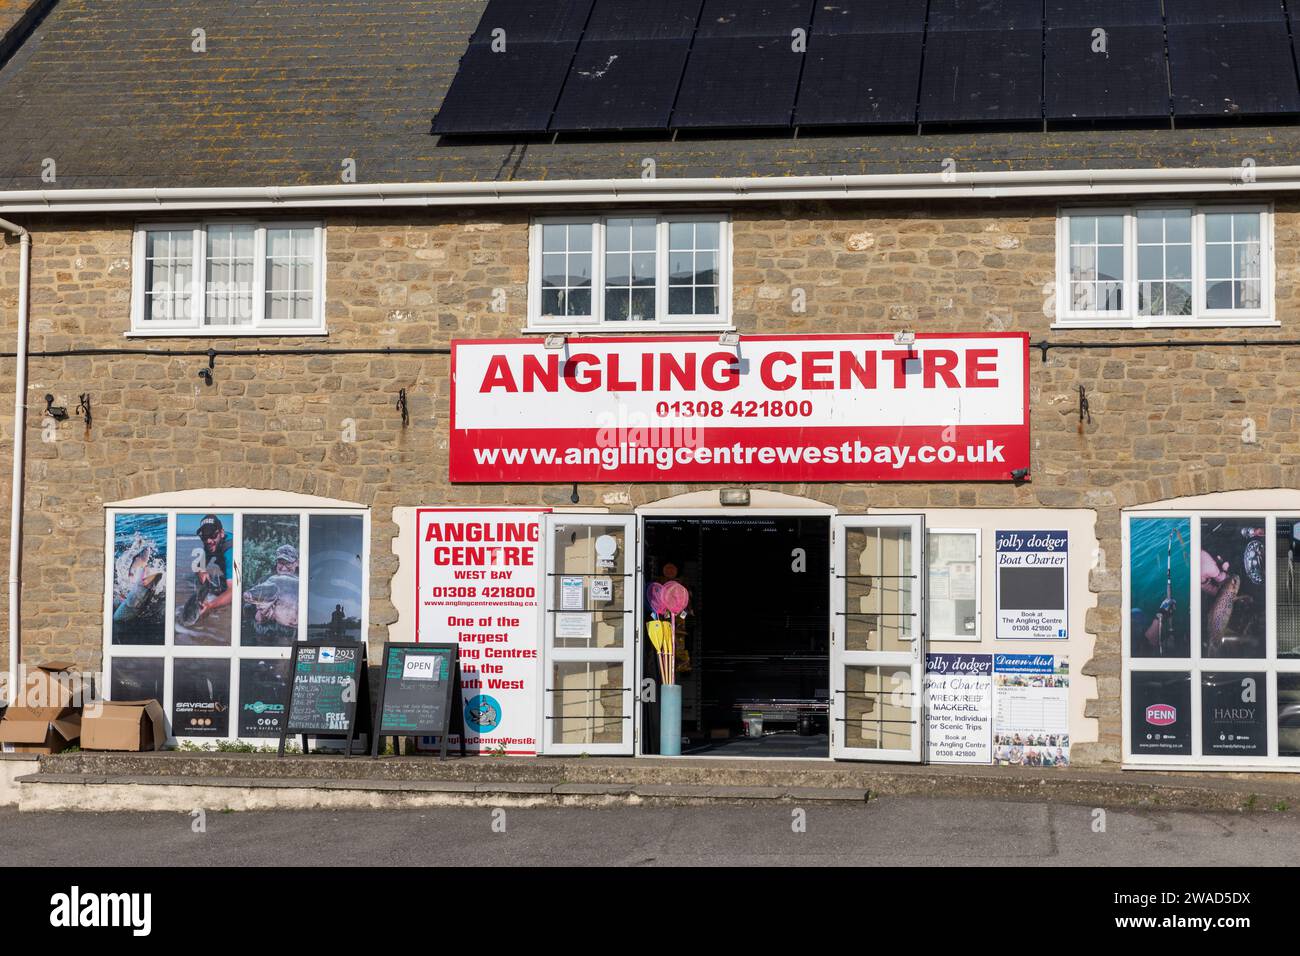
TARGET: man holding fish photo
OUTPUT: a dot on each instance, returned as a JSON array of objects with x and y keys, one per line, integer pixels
[{"x": 203, "y": 597}]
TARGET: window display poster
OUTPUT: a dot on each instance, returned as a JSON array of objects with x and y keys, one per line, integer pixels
[
  {"x": 270, "y": 581},
  {"x": 959, "y": 707},
  {"x": 335, "y": 571},
  {"x": 1031, "y": 585},
  {"x": 1286, "y": 564},
  {"x": 263, "y": 697},
  {"x": 1288, "y": 715},
  {"x": 139, "y": 579},
  {"x": 477, "y": 581},
  {"x": 1031, "y": 710},
  {"x": 1160, "y": 713},
  {"x": 1160, "y": 587},
  {"x": 205, "y": 579},
  {"x": 137, "y": 678},
  {"x": 201, "y": 697},
  {"x": 1234, "y": 714},
  {"x": 1234, "y": 602}
]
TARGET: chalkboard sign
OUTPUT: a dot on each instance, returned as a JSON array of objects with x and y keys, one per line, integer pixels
[
  {"x": 328, "y": 691},
  {"x": 419, "y": 693}
]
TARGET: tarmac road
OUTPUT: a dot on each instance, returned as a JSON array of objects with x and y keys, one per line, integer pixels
[{"x": 889, "y": 831}]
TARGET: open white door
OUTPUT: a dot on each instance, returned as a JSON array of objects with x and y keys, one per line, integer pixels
[
  {"x": 877, "y": 638},
  {"x": 591, "y": 634}
]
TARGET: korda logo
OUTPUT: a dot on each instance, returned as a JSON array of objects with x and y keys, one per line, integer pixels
[
  {"x": 74, "y": 909},
  {"x": 1161, "y": 715}
]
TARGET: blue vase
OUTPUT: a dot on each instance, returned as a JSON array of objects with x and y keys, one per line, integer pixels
[{"x": 670, "y": 720}]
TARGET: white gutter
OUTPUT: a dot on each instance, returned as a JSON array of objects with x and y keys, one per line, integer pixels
[
  {"x": 977, "y": 185},
  {"x": 20, "y": 436}
]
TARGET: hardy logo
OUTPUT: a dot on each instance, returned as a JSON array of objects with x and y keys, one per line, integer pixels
[
  {"x": 76, "y": 909},
  {"x": 1161, "y": 715}
]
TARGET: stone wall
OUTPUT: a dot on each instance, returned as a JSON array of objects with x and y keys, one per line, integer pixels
[{"x": 1165, "y": 421}]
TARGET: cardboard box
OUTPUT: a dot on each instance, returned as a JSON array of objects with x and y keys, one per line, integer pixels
[
  {"x": 44, "y": 720},
  {"x": 39, "y": 731},
  {"x": 131, "y": 725},
  {"x": 50, "y": 685}
]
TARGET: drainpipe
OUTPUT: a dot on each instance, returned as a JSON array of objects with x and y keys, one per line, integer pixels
[{"x": 20, "y": 428}]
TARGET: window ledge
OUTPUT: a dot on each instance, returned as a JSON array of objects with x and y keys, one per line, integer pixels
[
  {"x": 615, "y": 329},
  {"x": 218, "y": 333},
  {"x": 1135, "y": 326}
]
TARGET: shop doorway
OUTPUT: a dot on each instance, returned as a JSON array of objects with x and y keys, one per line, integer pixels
[{"x": 745, "y": 601}]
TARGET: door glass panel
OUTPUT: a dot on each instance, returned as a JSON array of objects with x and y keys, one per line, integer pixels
[
  {"x": 879, "y": 707},
  {"x": 878, "y": 588},
  {"x": 587, "y": 702},
  {"x": 1286, "y": 571},
  {"x": 1288, "y": 714},
  {"x": 588, "y": 588}
]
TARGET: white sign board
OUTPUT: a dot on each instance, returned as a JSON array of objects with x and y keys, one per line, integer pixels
[
  {"x": 959, "y": 708},
  {"x": 1031, "y": 713},
  {"x": 478, "y": 580},
  {"x": 1033, "y": 585}
]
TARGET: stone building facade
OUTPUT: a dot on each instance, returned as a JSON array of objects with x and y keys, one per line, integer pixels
[{"x": 1162, "y": 422}]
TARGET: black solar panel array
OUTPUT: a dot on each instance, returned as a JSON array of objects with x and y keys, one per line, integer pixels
[{"x": 539, "y": 66}]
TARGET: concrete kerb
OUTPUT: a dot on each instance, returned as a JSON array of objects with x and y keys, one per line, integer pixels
[{"x": 237, "y": 781}]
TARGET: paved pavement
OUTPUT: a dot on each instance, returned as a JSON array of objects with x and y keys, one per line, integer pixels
[{"x": 891, "y": 831}]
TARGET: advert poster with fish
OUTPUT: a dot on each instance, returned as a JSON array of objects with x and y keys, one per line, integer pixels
[
  {"x": 1232, "y": 564},
  {"x": 1160, "y": 587},
  {"x": 205, "y": 579},
  {"x": 271, "y": 581},
  {"x": 139, "y": 579}
]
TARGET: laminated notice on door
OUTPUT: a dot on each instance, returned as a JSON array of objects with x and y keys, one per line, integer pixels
[
  {"x": 571, "y": 594},
  {"x": 573, "y": 626},
  {"x": 602, "y": 589}
]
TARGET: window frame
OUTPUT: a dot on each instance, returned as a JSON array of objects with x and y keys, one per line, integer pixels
[
  {"x": 721, "y": 322},
  {"x": 1201, "y": 317},
  {"x": 977, "y": 635},
  {"x": 236, "y": 651},
  {"x": 195, "y": 325},
  {"x": 1195, "y": 664}
]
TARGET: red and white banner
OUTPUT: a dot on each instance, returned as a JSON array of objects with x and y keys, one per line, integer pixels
[
  {"x": 478, "y": 581},
  {"x": 952, "y": 407}
]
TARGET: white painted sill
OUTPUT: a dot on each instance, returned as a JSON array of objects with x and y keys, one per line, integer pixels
[
  {"x": 1136, "y": 326},
  {"x": 615, "y": 329},
  {"x": 218, "y": 333}
]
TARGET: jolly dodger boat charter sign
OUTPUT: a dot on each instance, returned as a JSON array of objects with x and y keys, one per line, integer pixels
[{"x": 949, "y": 407}]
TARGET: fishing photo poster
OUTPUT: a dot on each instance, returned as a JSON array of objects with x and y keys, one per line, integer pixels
[
  {"x": 1160, "y": 587},
  {"x": 204, "y": 579},
  {"x": 139, "y": 588}
]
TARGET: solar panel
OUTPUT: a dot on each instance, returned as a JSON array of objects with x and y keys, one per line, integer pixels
[
  {"x": 615, "y": 84},
  {"x": 1120, "y": 75},
  {"x": 966, "y": 15},
  {"x": 750, "y": 18},
  {"x": 843, "y": 17},
  {"x": 533, "y": 21},
  {"x": 743, "y": 81},
  {"x": 1242, "y": 69},
  {"x": 862, "y": 79},
  {"x": 1183, "y": 12},
  {"x": 1104, "y": 14},
  {"x": 509, "y": 92},
  {"x": 643, "y": 20},
  {"x": 982, "y": 76}
]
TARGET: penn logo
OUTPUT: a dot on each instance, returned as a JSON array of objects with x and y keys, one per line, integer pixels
[{"x": 1161, "y": 715}]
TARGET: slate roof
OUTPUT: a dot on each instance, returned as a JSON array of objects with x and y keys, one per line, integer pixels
[{"x": 111, "y": 90}]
